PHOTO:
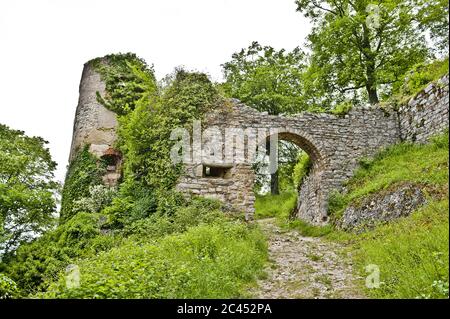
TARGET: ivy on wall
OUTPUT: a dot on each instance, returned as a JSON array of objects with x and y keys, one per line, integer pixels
[
  {"x": 128, "y": 80},
  {"x": 84, "y": 171}
]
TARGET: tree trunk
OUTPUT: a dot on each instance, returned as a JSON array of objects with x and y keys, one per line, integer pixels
[
  {"x": 373, "y": 94},
  {"x": 274, "y": 185},
  {"x": 371, "y": 75},
  {"x": 371, "y": 85}
]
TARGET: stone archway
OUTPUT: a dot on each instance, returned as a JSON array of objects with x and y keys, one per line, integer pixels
[{"x": 312, "y": 195}]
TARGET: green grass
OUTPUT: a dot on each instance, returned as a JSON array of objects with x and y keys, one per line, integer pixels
[
  {"x": 420, "y": 77},
  {"x": 279, "y": 206},
  {"x": 411, "y": 253},
  {"x": 307, "y": 229}
]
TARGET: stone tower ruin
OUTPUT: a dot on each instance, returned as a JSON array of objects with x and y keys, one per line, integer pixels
[{"x": 95, "y": 125}]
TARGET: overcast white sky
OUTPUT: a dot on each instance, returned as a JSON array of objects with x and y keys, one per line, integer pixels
[{"x": 44, "y": 44}]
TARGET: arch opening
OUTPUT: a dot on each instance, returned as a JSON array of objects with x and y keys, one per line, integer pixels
[{"x": 296, "y": 182}]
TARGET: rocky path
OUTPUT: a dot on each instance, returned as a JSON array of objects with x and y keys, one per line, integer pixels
[{"x": 304, "y": 267}]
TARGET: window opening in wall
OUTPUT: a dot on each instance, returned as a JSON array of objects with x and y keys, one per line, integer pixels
[{"x": 215, "y": 171}]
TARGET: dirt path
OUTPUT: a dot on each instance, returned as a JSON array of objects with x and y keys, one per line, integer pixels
[{"x": 304, "y": 267}]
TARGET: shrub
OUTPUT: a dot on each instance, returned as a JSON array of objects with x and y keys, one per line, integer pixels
[
  {"x": 84, "y": 172},
  {"x": 199, "y": 211},
  {"x": 99, "y": 197},
  {"x": 301, "y": 169},
  {"x": 209, "y": 261},
  {"x": 36, "y": 264},
  {"x": 128, "y": 80},
  {"x": 421, "y": 75},
  {"x": 342, "y": 108},
  {"x": 145, "y": 140},
  {"x": 8, "y": 288}
]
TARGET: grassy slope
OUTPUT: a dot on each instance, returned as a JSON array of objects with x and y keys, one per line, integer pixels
[
  {"x": 206, "y": 261},
  {"x": 412, "y": 254}
]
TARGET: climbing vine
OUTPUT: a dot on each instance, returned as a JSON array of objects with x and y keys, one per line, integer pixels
[
  {"x": 146, "y": 207},
  {"x": 85, "y": 170},
  {"x": 128, "y": 80},
  {"x": 147, "y": 115},
  {"x": 145, "y": 136}
]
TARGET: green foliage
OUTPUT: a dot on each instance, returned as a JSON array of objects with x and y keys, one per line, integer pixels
[
  {"x": 336, "y": 204},
  {"x": 145, "y": 137},
  {"x": 420, "y": 76},
  {"x": 411, "y": 253},
  {"x": 209, "y": 261},
  {"x": 128, "y": 79},
  {"x": 266, "y": 79},
  {"x": 8, "y": 288},
  {"x": 27, "y": 188},
  {"x": 280, "y": 206},
  {"x": 342, "y": 108},
  {"x": 84, "y": 172},
  {"x": 36, "y": 264},
  {"x": 307, "y": 229},
  {"x": 405, "y": 162},
  {"x": 285, "y": 183},
  {"x": 358, "y": 47},
  {"x": 433, "y": 16},
  {"x": 301, "y": 169},
  {"x": 198, "y": 211},
  {"x": 99, "y": 197}
]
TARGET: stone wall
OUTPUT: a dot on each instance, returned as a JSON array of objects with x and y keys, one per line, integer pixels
[
  {"x": 236, "y": 191},
  {"x": 334, "y": 143},
  {"x": 426, "y": 114}
]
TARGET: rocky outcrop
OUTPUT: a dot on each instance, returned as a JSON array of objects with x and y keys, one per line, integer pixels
[{"x": 398, "y": 201}]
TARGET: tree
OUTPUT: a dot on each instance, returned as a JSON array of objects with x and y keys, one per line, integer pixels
[
  {"x": 27, "y": 188},
  {"x": 268, "y": 80},
  {"x": 361, "y": 46},
  {"x": 433, "y": 16}
]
